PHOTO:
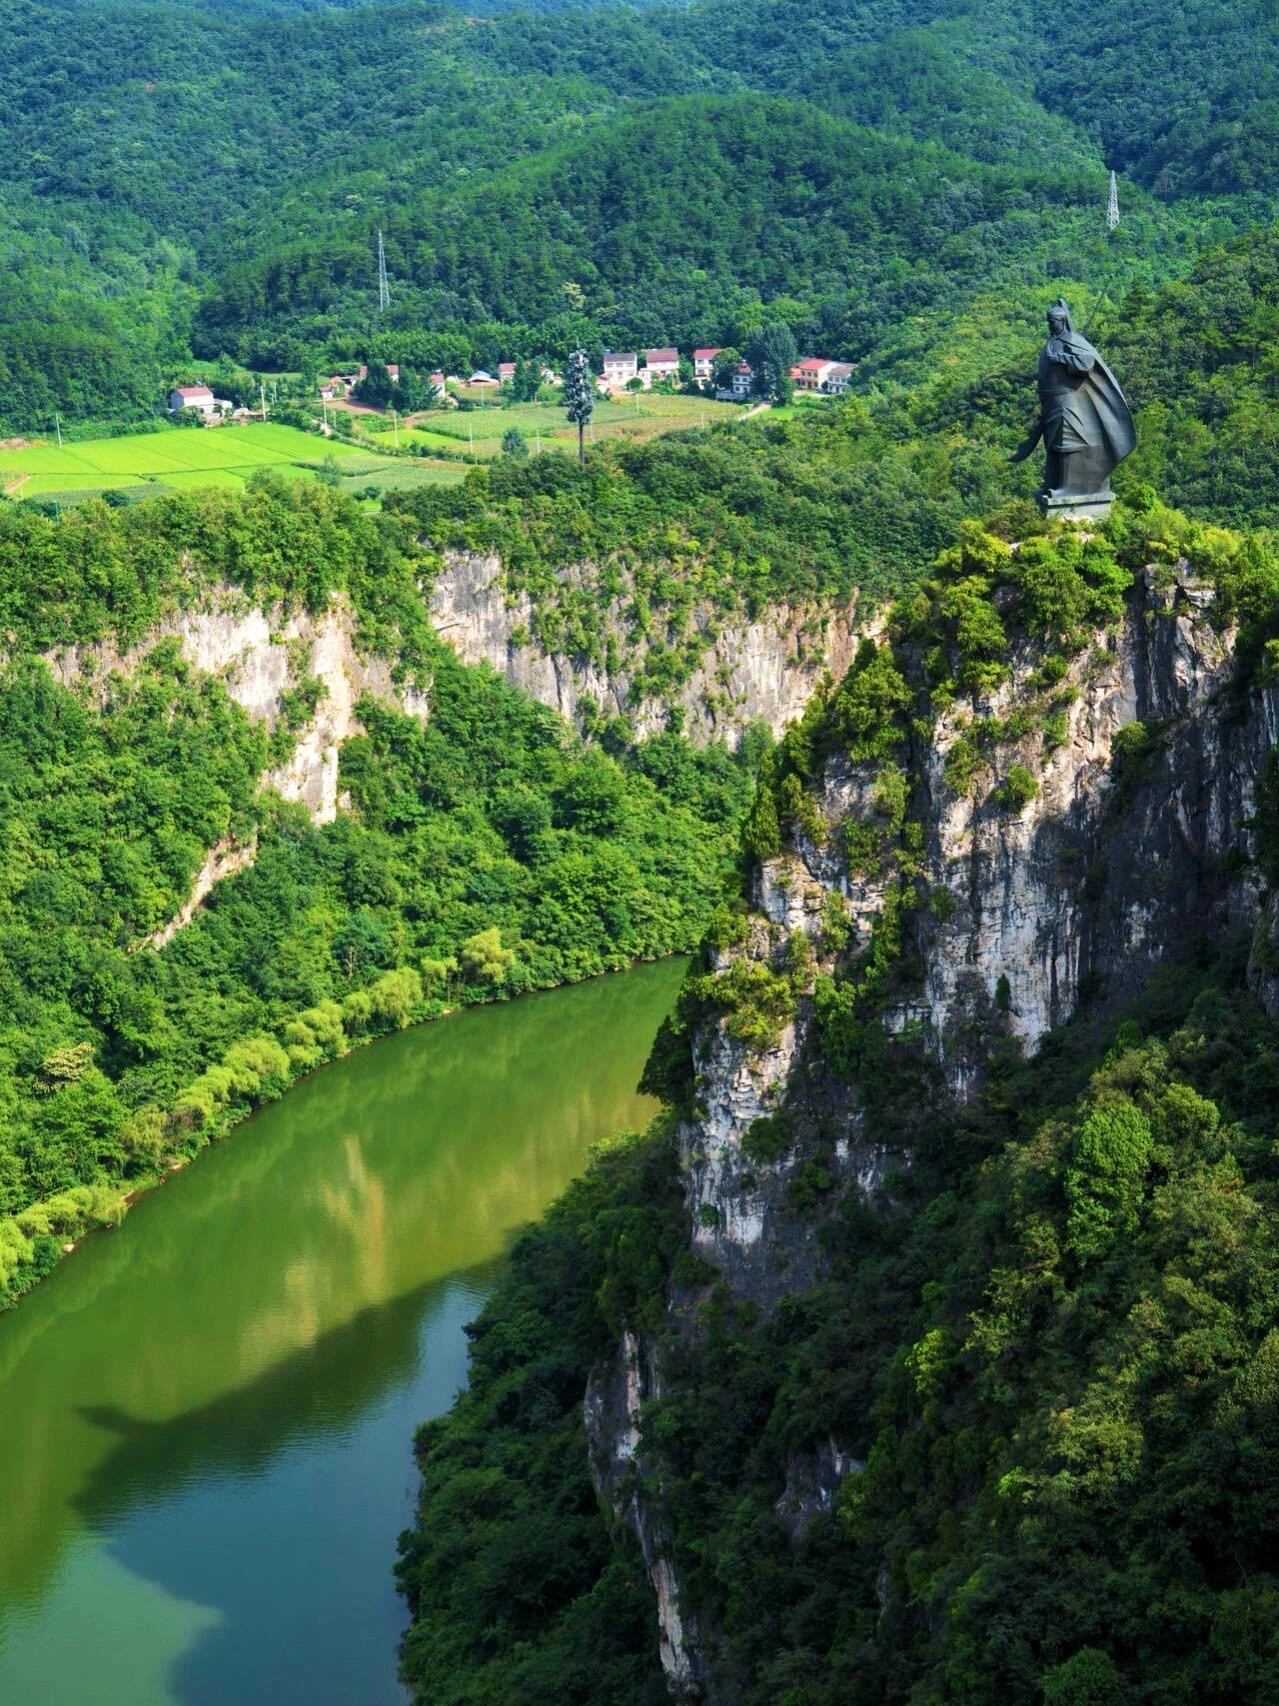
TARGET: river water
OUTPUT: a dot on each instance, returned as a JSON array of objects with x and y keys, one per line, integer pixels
[{"x": 206, "y": 1416}]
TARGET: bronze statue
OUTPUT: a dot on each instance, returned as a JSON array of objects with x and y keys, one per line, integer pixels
[{"x": 1083, "y": 420}]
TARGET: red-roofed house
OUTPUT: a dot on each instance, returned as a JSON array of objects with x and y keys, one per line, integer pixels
[
  {"x": 661, "y": 364},
  {"x": 192, "y": 397},
  {"x": 809, "y": 373},
  {"x": 505, "y": 372},
  {"x": 704, "y": 364}
]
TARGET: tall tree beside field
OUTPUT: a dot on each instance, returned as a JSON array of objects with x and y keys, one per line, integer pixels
[
  {"x": 772, "y": 354},
  {"x": 579, "y": 397}
]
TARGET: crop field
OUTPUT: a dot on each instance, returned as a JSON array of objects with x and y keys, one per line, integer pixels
[
  {"x": 144, "y": 464},
  {"x": 480, "y": 431}
]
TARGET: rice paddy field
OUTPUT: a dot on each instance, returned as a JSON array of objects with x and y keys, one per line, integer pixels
[
  {"x": 479, "y": 431},
  {"x": 144, "y": 463}
]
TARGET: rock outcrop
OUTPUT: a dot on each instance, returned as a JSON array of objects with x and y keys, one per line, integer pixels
[
  {"x": 259, "y": 655},
  {"x": 1135, "y": 846},
  {"x": 747, "y": 671}
]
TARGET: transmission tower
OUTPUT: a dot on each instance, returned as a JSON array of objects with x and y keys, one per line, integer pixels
[
  {"x": 383, "y": 285},
  {"x": 1112, "y": 212}
]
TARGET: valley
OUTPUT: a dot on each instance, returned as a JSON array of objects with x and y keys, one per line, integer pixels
[{"x": 639, "y": 853}]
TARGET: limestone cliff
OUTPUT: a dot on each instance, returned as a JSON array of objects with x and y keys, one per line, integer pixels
[
  {"x": 1135, "y": 844},
  {"x": 744, "y": 670},
  {"x": 260, "y": 655}
]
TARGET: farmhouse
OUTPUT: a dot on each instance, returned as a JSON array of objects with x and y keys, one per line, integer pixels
[
  {"x": 660, "y": 364},
  {"x": 619, "y": 370},
  {"x": 192, "y": 397},
  {"x": 505, "y": 372},
  {"x": 826, "y": 378},
  {"x": 741, "y": 383},
  {"x": 704, "y": 364}
]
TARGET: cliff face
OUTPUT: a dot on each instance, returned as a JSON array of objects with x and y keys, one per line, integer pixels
[
  {"x": 746, "y": 671},
  {"x": 259, "y": 656},
  {"x": 1135, "y": 846}
]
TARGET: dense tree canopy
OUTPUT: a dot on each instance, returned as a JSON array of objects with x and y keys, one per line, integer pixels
[{"x": 591, "y": 176}]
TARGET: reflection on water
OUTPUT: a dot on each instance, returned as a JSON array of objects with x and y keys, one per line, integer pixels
[{"x": 205, "y": 1416}]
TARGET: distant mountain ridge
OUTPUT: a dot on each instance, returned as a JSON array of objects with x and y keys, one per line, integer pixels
[{"x": 227, "y": 167}]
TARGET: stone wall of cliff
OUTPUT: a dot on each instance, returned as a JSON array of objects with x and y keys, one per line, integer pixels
[
  {"x": 761, "y": 670},
  {"x": 259, "y": 656},
  {"x": 1136, "y": 845}
]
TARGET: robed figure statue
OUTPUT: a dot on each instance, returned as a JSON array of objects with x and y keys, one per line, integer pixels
[{"x": 1083, "y": 420}]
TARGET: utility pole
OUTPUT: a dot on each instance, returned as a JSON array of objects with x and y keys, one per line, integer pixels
[
  {"x": 1112, "y": 211},
  {"x": 262, "y": 398},
  {"x": 383, "y": 283},
  {"x": 395, "y": 422},
  {"x": 57, "y": 427}
]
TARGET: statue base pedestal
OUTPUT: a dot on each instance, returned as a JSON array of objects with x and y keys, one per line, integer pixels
[{"x": 1076, "y": 506}]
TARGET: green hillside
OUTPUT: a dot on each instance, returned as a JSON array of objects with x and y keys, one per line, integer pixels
[{"x": 214, "y": 175}]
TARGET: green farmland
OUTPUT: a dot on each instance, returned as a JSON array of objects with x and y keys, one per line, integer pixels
[
  {"x": 479, "y": 431},
  {"x": 143, "y": 463}
]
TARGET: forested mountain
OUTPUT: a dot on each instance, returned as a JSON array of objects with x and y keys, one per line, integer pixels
[
  {"x": 203, "y": 172},
  {"x": 928, "y": 1343}
]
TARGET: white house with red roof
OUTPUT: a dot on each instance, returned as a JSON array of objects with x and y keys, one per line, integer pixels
[
  {"x": 192, "y": 397},
  {"x": 704, "y": 364},
  {"x": 505, "y": 372},
  {"x": 660, "y": 364}
]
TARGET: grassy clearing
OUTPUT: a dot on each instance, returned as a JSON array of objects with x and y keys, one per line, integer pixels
[{"x": 213, "y": 457}]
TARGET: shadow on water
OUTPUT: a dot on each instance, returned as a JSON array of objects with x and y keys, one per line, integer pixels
[
  {"x": 318, "y": 1392},
  {"x": 311, "y": 1406},
  {"x": 216, "y": 1402}
]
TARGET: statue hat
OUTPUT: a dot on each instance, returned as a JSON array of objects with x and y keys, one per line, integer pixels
[{"x": 1061, "y": 306}]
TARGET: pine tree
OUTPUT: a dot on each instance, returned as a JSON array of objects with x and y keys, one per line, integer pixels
[{"x": 579, "y": 398}]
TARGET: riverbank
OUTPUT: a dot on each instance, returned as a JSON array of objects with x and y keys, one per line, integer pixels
[
  {"x": 254, "y": 1075},
  {"x": 250, "y": 1354}
]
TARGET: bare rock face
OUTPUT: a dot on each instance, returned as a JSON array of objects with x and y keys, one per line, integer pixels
[
  {"x": 1135, "y": 846},
  {"x": 259, "y": 655},
  {"x": 764, "y": 670},
  {"x": 618, "y": 1389}
]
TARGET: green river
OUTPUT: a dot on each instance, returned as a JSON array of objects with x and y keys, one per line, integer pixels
[{"x": 206, "y": 1416}]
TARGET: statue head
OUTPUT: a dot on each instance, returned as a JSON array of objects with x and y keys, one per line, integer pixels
[{"x": 1059, "y": 320}]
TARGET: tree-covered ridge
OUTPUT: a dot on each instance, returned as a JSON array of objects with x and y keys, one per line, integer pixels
[
  {"x": 246, "y": 163},
  {"x": 653, "y": 217},
  {"x": 487, "y": 853},
  {"x": 1056, "y": 1351}
]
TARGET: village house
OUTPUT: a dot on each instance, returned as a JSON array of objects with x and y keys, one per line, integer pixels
[
  {"x": 480, "y": 377},
  {"x": 619, "y": 369},
  {"x": 704, "y": 364},
  {"x": 807, "y": 375},
  {"x": 195, "y": 397},
  {"x": 740, "y": 384},
  {"x": 660, "y": 364},
  {"x": 815, "y": 374}
]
